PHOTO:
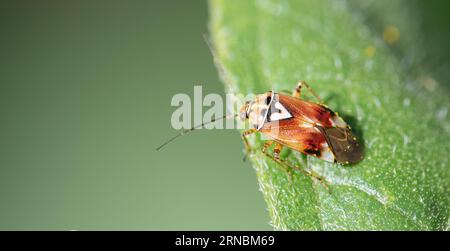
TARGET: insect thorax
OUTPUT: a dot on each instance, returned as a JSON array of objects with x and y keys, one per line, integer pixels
[{"x": 266, "y": 108}]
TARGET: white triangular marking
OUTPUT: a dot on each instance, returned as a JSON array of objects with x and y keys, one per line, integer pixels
[{"x": 284, "y": 114}]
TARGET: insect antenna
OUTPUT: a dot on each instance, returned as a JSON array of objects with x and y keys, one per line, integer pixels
[{"x": 194, "y": 128}]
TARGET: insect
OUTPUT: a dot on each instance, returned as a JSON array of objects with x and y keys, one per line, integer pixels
[{"x": 304, "y": 126}]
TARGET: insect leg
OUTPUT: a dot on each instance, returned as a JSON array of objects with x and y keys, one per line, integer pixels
[
  {"x": 246, "y": 144},
  {"x": 277, "y": 150},
  {"x": 298, "y": 90},
  {"x": 276, "y": 156},
  {"x": 266, "y": 145},
  {"x": 284, "y": 164}
]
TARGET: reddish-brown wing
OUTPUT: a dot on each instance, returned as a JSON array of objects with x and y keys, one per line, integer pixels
[
  {"x": 290, "y": 133},
  {"x": 311, "y": 112},
  {"x": 315, "y": 130}
]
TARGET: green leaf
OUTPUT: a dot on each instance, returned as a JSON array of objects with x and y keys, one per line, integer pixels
[{"x": 378, "y": 83}]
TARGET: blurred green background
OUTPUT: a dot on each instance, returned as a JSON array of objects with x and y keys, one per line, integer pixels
[
  {"x": 85, "y": 91},
  {"x": 85, "y": 100}
]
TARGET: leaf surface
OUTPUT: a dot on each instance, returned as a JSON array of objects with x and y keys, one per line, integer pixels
[{"x": 366, "y": 61}]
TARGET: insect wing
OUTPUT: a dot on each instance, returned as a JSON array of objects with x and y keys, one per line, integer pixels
[
  {"x": 345, "y": 146},
  {"x": 315, "y": 130},
  {"x": 299, "y": 136},
  {"x": 311, "y": 112}
]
